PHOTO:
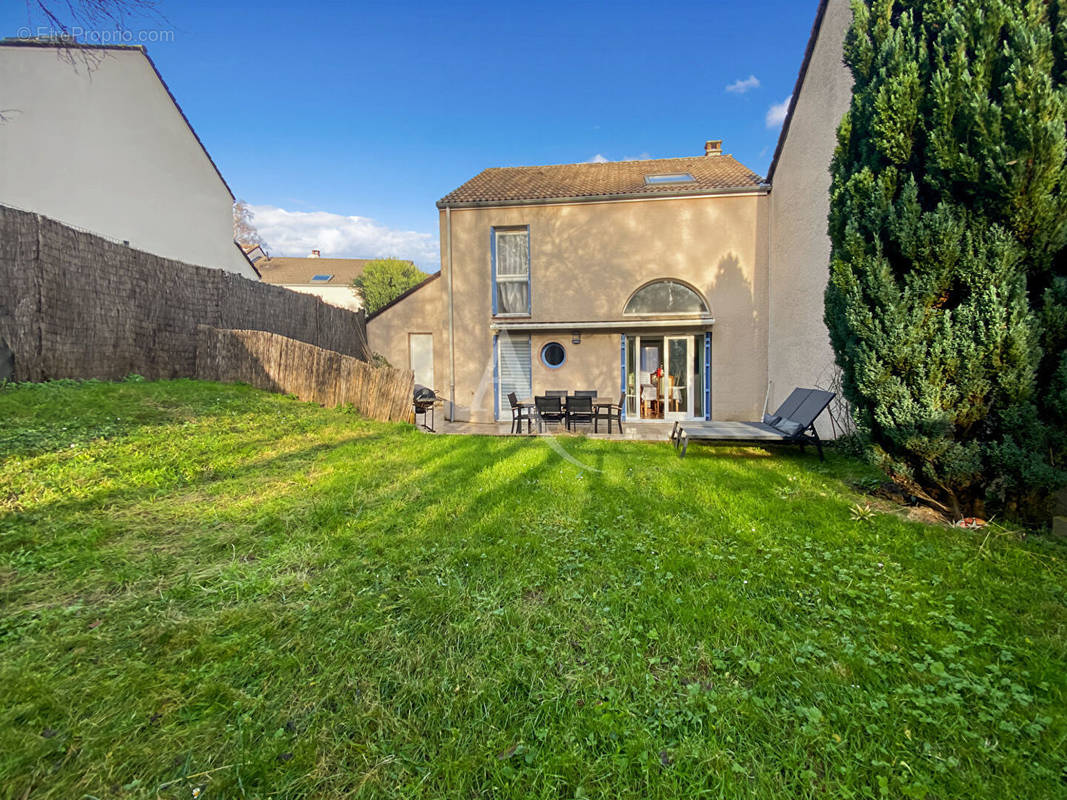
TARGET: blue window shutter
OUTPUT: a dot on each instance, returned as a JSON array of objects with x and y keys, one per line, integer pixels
[
  {"x": 707, "y": 375},
  {"x": 492, "y": 260},
  {"x": 496, "y": 374},
  {"x": 622, "y": 371}
]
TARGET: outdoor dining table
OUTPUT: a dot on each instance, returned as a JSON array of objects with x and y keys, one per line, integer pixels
[{"x": 598, "y": 403}]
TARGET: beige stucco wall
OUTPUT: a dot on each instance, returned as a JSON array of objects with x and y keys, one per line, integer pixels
[
  {"x": 342, "y": 296},
  {"x": 107, "y": 150},
  {"x": 588, "y": 258},
  {"x": 422, "y": 311},
  {"x": 592, "y": 364},
  {"x": 799, "y": 347}
]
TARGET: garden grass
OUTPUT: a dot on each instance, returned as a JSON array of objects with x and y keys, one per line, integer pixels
[{"x": 211, "y": 591}]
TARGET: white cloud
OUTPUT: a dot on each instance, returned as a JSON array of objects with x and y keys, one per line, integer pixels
[
  {"x": 600, "y": 158},
  {"x": 297, "y": 233},
  {"x": 776, "y": 113},
  {"x": 743, "y": 85}
]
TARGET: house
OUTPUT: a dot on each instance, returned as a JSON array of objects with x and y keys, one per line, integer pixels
[
  {"x": 328, "y": 278},
  {"x": 597, "y": 276},
  {"x": 691, "y": 286},
  {"x": 94, "y": 138}
]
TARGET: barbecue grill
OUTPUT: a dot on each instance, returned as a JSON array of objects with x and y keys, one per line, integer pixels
[{"x": 424, "y": 401}]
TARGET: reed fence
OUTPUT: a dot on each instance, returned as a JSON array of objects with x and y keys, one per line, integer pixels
[
  {"x": 75, "y": 305},
  {"x": 280, "y": 364}
]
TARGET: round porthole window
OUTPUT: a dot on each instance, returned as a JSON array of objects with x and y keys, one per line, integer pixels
[{"x": 553, "y": 355}]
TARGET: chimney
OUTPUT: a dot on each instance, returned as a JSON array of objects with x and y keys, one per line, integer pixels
[
  {"x": 314, "y": 254},
  {"x": 713, "y": 147}
]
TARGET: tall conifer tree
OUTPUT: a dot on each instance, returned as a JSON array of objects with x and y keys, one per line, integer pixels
[{"x": 947, "y": 301}]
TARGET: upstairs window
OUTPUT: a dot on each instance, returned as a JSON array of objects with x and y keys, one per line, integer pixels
[
  {"x": 666, "y": 297},
  {"x": 511, "y": 271}
]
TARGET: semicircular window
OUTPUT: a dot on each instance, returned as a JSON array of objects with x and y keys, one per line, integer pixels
[{"x": 665, "y": 297}]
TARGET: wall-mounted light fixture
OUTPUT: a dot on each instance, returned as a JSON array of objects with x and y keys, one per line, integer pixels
[{"x": 576, "y": 338}]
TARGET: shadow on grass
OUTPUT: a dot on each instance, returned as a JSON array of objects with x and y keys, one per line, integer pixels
[{"x": 419, "y": 605}]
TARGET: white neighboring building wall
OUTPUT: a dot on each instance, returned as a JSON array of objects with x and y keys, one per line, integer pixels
[
  {"x": 103, "y": 146},
  {"x": 798, "y": 348},
  {"x": 330, "y": 279},
  {"x": 342, "y": 296}
]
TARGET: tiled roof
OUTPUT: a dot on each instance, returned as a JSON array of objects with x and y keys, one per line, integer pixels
[
  {"x": 711, "y": 174},
  {"x": 300, "y": 271}
]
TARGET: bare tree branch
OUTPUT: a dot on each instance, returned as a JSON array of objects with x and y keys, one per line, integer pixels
[
  {"x": 69, "y": 23},
  {"x": 244, "y": 227},
  {"x": 63, "y": 17}
]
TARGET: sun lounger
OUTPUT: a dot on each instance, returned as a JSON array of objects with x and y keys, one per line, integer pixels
[{"x": 792, "y": 423}]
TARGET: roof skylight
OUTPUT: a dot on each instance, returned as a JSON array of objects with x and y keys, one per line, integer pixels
[
  {"x": 322, "y": 278},
  {"x": 676, "y": 177}
]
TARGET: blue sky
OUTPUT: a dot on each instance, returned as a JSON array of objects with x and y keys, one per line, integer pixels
[{"x": 319, "y": 112}]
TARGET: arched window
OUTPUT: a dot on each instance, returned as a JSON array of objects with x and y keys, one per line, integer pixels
[{"x": 666, "y": 297}]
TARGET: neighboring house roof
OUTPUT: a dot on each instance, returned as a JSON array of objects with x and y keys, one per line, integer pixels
[
  {"x": 712, "y": 174},
  {"x": 54, "y": 45},
  {"x": 816, "y": 28},
  {"x": 301, "y": 271},
  {"x": 408, "y": 293}
]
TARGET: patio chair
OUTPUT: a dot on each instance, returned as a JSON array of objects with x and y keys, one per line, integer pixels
[
  {"x": 792, "y": 423},
  {"x": 549, "y": 409},
  {"x": 585, "y": 393},
  {"x": 609, "y": 412},
  {"x": 518, "y": 414},
  {"x": 556, "y": 393},
  {"x": 649, "y": 401},
  {"x": 579, "y": 409}
]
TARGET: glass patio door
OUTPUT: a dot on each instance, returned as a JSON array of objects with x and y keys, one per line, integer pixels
[
  {"x": 679, "y": 393},
  {"x": 677, "y": 379}
]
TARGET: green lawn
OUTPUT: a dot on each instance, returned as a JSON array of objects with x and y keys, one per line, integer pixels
[{"x": 206, "y": 587}]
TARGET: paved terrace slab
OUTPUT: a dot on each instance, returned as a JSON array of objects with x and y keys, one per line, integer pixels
[{"x": 643, "y": 431}]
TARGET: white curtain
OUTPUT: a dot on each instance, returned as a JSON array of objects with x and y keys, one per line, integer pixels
[
  {"x": 512, "y": 297},
  {"x": 512, "y": 273},
  {"x": 511, "y": 253}
]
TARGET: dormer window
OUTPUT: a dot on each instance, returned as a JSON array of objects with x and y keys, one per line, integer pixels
[{"x": 675, "y": 177}]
